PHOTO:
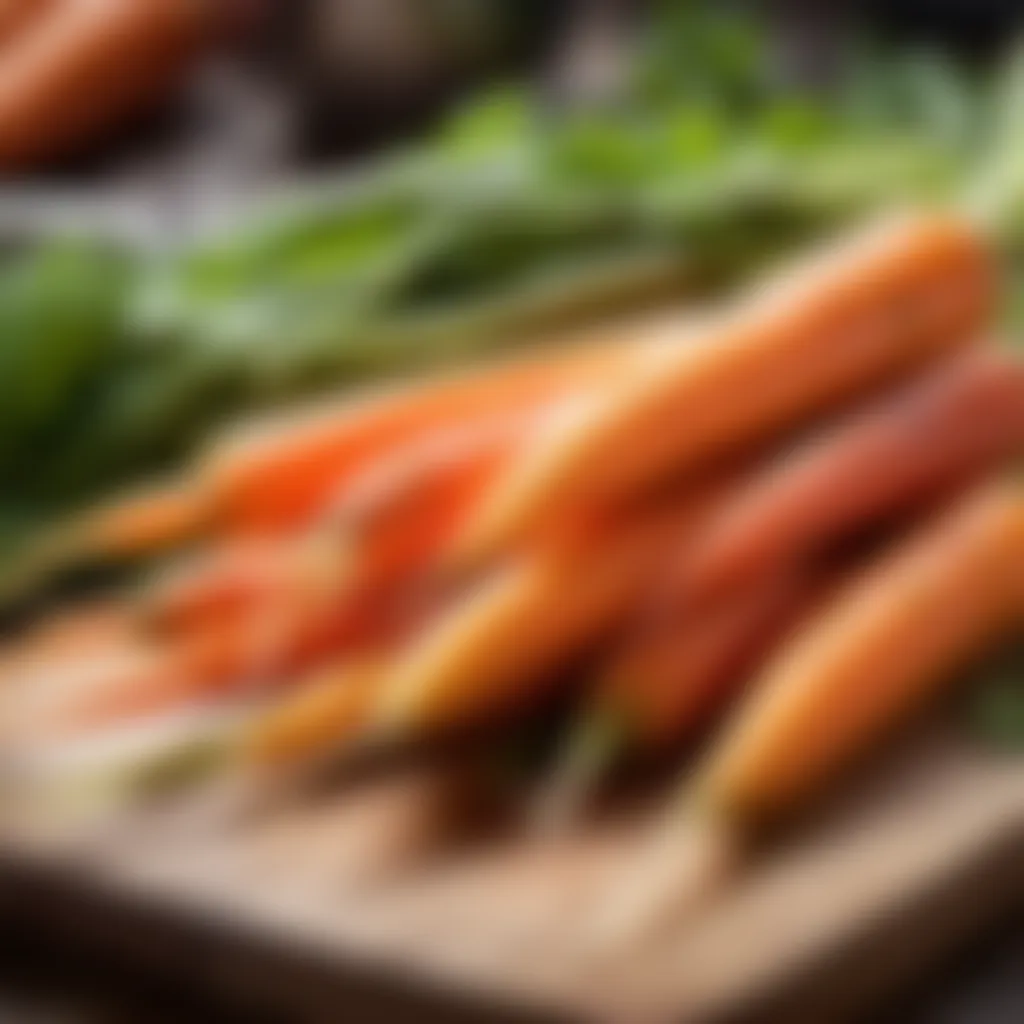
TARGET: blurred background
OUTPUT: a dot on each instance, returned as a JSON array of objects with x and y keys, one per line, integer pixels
[{"x": 212, "y": 207}]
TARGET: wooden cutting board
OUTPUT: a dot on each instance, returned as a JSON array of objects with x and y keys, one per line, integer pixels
[{"x": 360, "y": 896}]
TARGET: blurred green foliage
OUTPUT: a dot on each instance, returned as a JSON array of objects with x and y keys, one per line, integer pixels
[{"x": 997, "y": 701}]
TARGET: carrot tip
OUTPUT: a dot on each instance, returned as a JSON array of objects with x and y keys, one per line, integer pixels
[{"x": 685, "y": 866}]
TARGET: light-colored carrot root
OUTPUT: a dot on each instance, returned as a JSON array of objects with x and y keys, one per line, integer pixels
[
  {"x": 80, "y": 633},
  {"x": 688, "y": 862},
  {"x": 150, "y": 521},
  {"x": 889, "y": 301},
  {"x": 268, "y": 646},
  {"x": 319, "y": 717},
  {"x": 154, "y": 681},
  {"x": 141, "y": 678}
]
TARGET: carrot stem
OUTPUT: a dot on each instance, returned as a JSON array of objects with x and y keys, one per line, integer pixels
[{"x": 594, "y": 746}]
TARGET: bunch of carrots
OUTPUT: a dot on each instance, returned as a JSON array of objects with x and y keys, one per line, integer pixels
[{"x": 794, "y": 517}]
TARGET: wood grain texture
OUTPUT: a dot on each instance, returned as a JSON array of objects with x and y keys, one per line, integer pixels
[{"x": 372, "y": 894}]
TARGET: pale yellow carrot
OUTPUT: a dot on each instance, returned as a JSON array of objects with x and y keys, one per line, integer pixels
[{"x": 318, "y": 717}]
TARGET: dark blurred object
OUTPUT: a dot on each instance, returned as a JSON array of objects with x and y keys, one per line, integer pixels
[
  {"x": 980, "y": 25},
  {"x": 594, "y": 51},
  {"x": 366, "y": 70}
]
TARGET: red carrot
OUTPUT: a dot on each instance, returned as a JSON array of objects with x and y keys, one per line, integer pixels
[{"x": 954, "y": 425}]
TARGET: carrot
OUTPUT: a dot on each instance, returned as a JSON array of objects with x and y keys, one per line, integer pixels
[
  {"x": 204, "y": 652},
  {"x": 380, "y": 536},
  {"x": 381, "y": 532},
  {"x": 402, "y": 511},
  {"x": 873, "y": 655},
  {"x": 79, "y": 633},
  {"x": 84, "y": 65},
  {"x": 889, "y": 301},
  {"x": 16, "y": 15},
  {"x": 279, "y": 474},
  {"x": 124, "y": 533},
  {"x": 153, "y": 520},
  {"x": 958, "y": 423},
  {"x": 319, "y": 716},
  {"x": 50, "y": 696},
  {"x": 268, "y": 604},
  {"x": 480, "y": 656},
  {"x": 378, "y": 542},
  {"x": 135, "y": 681},
  {"x": 70, "y": 690},
  {"x": 667, "y": 682},
  {"x": 357, "y": 467},
  {"x": 219, "y": 585}
]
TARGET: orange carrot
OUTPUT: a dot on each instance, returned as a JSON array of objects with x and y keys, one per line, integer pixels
[
  {"x": 891, "y": 300},
  {"x": 483, "y": 654},
  {"x": 281, "y": 626},
  {"x": 149, "y": 521},
  {"x": 17, "y": 15},
  {"x": 137, "y": 680},
  {"x": 268, "y": 640},
  {"x": 877, "y": 651},
  {"x": 220, "y": 585},
  {"x": 283, "y": 472},
  {"x": 666, "y": 683},
  {"x": 401, "y": 513},
  {"x": 669, "y": 681},
  {"x": 320, "y": 715},
  {"x": 380, "y": 537},
  {"x": 934, "y": 435},
  {"x": 84, "y": 65},
  {"x": 257, "y": 587},
  {"x": 382, "y": 530}
]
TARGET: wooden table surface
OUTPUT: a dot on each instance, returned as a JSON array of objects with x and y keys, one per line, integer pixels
[
  {"x": 344, "y": 898},
  {"x": 42, "y": 982}
]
